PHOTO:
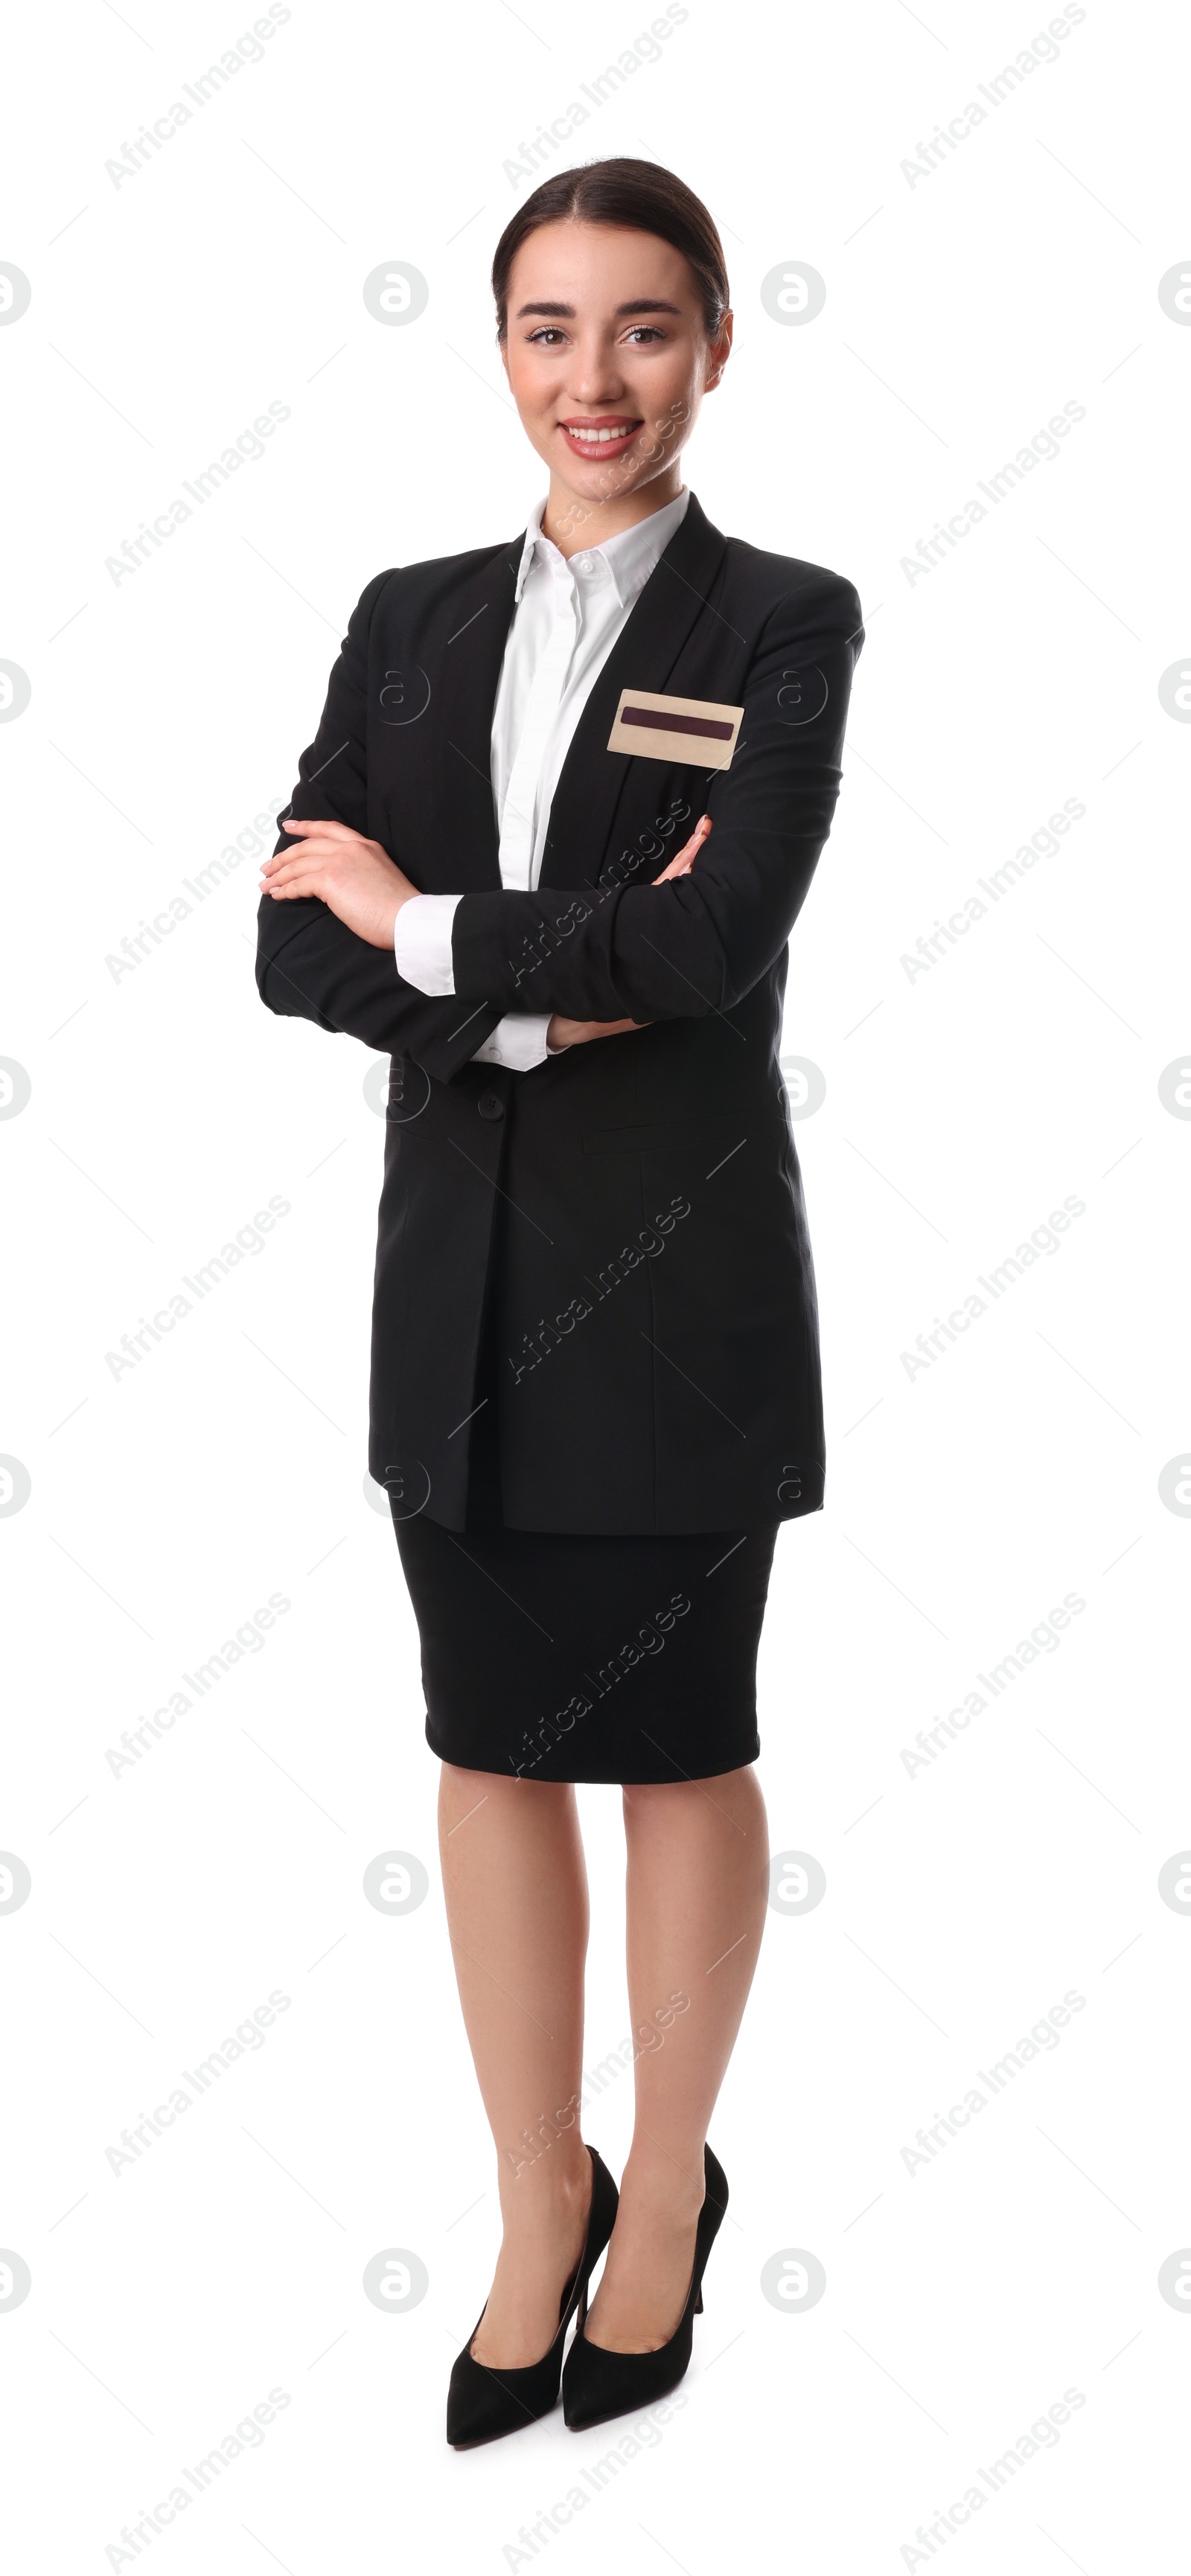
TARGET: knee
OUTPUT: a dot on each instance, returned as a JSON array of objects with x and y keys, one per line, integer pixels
[
  {"x": 453, "y": 1776},
  {"x": 677, "y": 1806},
  {"x": 651, "y": 1797},
  {"x": 498, "y": 1791},
  {"x": 659, "y": 1806},
  {"x": 657, "y": 1795}
]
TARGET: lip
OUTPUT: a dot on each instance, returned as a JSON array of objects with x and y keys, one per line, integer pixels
[{"x": 600, "y": 450}]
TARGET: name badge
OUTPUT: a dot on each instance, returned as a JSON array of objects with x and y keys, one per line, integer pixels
[{"x": 691, "y": 729}]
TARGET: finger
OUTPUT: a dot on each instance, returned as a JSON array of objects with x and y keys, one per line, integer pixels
[
  {"x": 316, "y": 823},
  {"x": 312, "y": 853},
  {"x": 681, "y": 865},
  {"x": 296, "y": 881},
  {"x": 291, "y": 864},
  {"x": 691, "y": 848}
]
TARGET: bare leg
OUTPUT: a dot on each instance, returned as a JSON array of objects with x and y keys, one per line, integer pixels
[
  {"x": 516, "y": 1895},
  {"x": 697, "y": 1887}
]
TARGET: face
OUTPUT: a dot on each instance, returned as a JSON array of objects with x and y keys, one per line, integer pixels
[{"x": 608, "y": 361}]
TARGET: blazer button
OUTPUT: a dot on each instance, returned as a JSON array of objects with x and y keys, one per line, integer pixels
[{"x": 490, "y": 1105}]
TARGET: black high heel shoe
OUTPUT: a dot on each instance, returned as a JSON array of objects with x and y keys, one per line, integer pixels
[
  {"x": 484, "y": 2404},
  {"x": 598, "y": 2384}
]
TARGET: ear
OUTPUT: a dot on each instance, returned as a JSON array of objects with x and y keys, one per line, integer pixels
[{"x": 719, "y": 353}]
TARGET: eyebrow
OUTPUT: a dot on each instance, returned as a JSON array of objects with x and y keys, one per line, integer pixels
[{"x": 566, "y": 312}]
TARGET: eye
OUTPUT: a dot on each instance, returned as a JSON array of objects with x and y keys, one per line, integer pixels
[
  {"x": 548, "y": 336},
  {"x": 645, "y": 331}
]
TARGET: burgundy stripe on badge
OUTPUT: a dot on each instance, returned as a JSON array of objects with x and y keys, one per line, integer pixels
[{"x": 711, "y": 727}]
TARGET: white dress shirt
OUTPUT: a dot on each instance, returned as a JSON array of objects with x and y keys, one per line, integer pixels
[{"x": 566, "y": 619}]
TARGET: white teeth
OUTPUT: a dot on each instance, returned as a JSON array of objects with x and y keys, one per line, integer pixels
[{"x": 597, "y": 437}]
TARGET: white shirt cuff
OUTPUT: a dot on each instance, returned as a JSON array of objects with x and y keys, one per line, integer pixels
[
  {"x": 422, "y": 942},
  {"x": 518, "y": 1041}
]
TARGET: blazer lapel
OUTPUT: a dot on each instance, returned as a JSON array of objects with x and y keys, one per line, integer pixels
[
  {"x": 478, "y": 617},
  {"x": 593, "y": 778}
]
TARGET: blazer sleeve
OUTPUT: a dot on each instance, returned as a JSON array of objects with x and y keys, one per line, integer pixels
[
  {"x": 309, "y": 965},
  {"x": 698, "y": 944}
]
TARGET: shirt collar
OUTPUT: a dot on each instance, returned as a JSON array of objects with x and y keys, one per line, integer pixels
[{"x": 629, "y": 557}]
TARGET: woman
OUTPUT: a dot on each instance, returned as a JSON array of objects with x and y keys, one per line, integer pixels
[{"x": 546, "y": 850}]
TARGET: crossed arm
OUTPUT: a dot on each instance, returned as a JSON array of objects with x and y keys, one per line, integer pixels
[
  {"x": 601, "y": 963},
  {"x": 363, "y": 887}
]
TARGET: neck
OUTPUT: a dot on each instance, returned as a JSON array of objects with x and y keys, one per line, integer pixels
[{"x": 573, "y": 522}]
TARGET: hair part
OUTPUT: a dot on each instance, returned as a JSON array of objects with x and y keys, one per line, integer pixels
[{"x": 637, "y": 196}]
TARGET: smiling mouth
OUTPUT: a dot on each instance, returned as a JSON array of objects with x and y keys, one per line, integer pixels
[{"x": 596, "y": 434}]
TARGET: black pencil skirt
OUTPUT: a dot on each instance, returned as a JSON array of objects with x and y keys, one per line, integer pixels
[{"x": 549, "y": 1655}]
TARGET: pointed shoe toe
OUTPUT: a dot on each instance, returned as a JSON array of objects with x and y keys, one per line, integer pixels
[
  {"x": 484, "y": 2404},
  {"x": 598, "y": 2384}
]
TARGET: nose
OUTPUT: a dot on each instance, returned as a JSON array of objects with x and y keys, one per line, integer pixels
[{"x": 595, "y": 375}]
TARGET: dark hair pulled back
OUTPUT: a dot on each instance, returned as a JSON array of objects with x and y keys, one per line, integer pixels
[{"x": 637, "y": 195}]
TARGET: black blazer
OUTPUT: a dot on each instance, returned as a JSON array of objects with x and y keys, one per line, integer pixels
[{"x": 655, "y": 1316}]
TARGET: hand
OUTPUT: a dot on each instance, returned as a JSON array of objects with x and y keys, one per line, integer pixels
[
  {"x": 568, "y": 1033},
  {"x": 355, "y": 878},
  {"x": 681, "y": 865}
]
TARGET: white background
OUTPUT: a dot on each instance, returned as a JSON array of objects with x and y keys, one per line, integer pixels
[{"x": 964, "y": 1898}]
